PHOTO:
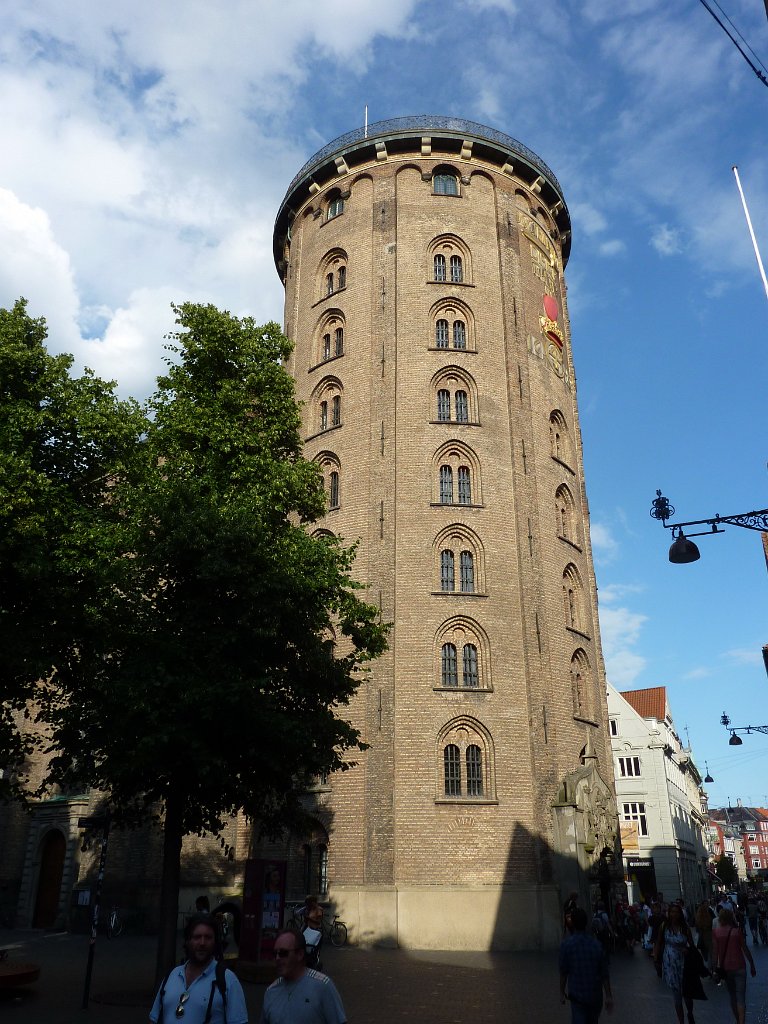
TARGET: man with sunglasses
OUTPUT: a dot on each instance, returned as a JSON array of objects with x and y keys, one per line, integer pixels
[
  {"x": 300, "y": 995},
  {"x": 200, "y": 991}
]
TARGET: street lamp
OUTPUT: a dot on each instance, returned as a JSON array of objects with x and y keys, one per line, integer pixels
[
  {"x": 735, "y": 740},
  {"x": 683, "y": 550},
  {"x": 707, "y": 778}
]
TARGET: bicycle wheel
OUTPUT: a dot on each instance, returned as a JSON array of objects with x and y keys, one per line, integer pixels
[
  {"x": 338, "y": 933},
  {"x": 114, "y": 926}
]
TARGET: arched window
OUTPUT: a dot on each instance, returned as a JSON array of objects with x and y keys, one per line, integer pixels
[
  {"x": 459, "y": 334},
  {"x": 449, "y": 669},
  {"x": 580, "y": 676},
  {"x": 559, "y": 439},
  {"x": 333, "y": 490},
  {"x": 323, "y": 415},
  {"x": 464, "y": 486},
  {"x": 322, "y": 870},
  {"x": 332, "y": 272},
  {"x": 465, "y": 768},
  {"x": 329, "y": 283},
  {"x": 441, "y": 334},
  {"x": 446, "y": 485},
  {"x": 462, "y": 407},
  {"x": 452, "y": 770},
  {"x": 474, "y": 770},
  {"x": 445, "y": 185},
  {"x": 450, "y": 257},
  {"x": 326, "y": 346},
  {"x": 470, "y": 676},
  {"x": 339, "y": 341},
  {"x": 335, "y": 207},
  {"x": 467, "y": 572},
  {"x": 336, "y": 410},
  {"x": 457, "y": 274},
  {"x": 330, "y": 336},
  {"x": 573, "y": 598},
  {"x": 447, "y": 575},
  {"x": 565, "y": 514},
  {"x": 443, "y": 405},
  {"x": 342, "y": 277},
  {"x": 440, "y": 267}
]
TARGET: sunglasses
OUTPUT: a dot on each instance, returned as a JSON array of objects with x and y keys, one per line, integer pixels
[
  {"x": 180, "y": 1008},
  {"x": 282, "y": 953}
]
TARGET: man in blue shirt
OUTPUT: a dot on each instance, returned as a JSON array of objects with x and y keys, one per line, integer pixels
[
  {"x": 584, "y": 972},
  {"x": 300, "y": 995},
  {"x": 192, "y": 991}
]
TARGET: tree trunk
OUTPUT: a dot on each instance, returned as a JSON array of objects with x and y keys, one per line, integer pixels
[{"x": 169, "y": 886}]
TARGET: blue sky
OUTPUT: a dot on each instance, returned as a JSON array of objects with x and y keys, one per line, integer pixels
[{"x": 146, "y": 151}]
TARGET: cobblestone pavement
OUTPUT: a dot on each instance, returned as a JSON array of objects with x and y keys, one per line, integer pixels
[{"x": 377, "y": 986}]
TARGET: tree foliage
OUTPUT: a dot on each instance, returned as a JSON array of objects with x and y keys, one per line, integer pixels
[
  {"x": 218, "y": 638},
  {"x": 726, "y": 871}
]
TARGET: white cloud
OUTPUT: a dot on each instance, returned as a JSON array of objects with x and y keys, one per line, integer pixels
[
  {"x": 587, "y": 218},
  {"x": 613, "y": 247},
  {"x": 666, "y": 240},
  {"x": 745, "y": 655},
  {"x": 613, "y": 592},
  {"x": 620, "y": 630},
  {"x": 700, "y": 672},
  {"x": 604, "y": 544}
]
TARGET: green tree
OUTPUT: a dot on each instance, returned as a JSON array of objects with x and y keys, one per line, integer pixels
[
  {"x": 228, "y": 637},
  {"x": 61, "y": 438},
  {"x": 726, "y": 871}
]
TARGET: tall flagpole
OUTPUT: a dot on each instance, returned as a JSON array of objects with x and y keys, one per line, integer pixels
[{"x": 751, "y": 231}]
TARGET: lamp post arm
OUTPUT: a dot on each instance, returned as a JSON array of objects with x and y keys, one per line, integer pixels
[{"x": 663, "y": 511}]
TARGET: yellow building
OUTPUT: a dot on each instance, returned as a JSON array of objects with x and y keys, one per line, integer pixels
[{"x": 423, "y": 265}]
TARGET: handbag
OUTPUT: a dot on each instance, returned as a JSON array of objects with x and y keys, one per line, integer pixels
[{"x": 718, "y": 973}]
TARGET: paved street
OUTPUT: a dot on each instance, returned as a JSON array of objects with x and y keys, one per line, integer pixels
[{"x": 378, "y": 987}]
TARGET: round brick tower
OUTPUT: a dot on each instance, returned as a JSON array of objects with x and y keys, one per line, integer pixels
[{"x": 423, "y": 266}]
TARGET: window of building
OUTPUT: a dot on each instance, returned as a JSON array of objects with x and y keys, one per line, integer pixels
[
  {"x": 446, "y": 485},
  {"x": 462, "y": 407},
  {"x": 441, "y": 334},
  {"x": 629, "y": 767},
  {"x": 322, "y": 870},
  {"x": 467, "y": 572},
  {"x": 452, "y": 770},
  {"x": 342, "y": 277},
  {"x": 464, "y": 486},
  {"x": 756, "y": 863},
  {"x": 613, "y": 726},
  {"x": 565, "y": 514},
  {"x": 474, "y": 760},
  {"x": 573, "y": 598},
  {"x": 443, "y": 405},
  {"x": 323, "y": 415},
  {"x": 339, "y": 341},
  {"x": 452, "y": 325},
  {"x": 333, "y": 490},
  {"x": 754, "y": 849},
  {"x": 580, "y": 683},
  {"x": 457, "y": 273},
  {"x": 445, "y": 185},
  {"x": 326, "y": 346},
  {"x": 439, "y": 264},
  {"x": 560, "y": 442},
  {"x": 450, "y": 671},
  {"x": 470, "y": 675},
  {"x": 459, "y": 334},
  {"x": 447, "y": 577},
  {"x": 336, "y": 410},
  {"x": 329, "y": 283},
  {"x": 635, "y": 812},
  {"x": 335, "y": 207}
]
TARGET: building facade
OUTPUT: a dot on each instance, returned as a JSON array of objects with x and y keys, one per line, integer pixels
[
  {"x": 423, "y": 264},
  {"x": 742, "y": 834},
  {"x": 661, "y": 803}
]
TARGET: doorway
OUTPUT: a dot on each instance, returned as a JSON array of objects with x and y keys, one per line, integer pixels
[{"x": 52, "y": 853}]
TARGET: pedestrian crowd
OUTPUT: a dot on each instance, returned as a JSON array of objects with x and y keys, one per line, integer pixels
[{"x": 686, "y": 946}]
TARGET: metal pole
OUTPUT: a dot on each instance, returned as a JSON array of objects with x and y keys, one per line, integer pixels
[
  {"x": 95, "y": 919},
  {"x": 749, "y": 225}
]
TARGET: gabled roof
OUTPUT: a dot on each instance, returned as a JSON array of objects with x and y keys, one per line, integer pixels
[{"x": 648, "y": 703}]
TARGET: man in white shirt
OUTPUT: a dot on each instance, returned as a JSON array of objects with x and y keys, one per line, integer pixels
[{"x": 300, "y": 995}]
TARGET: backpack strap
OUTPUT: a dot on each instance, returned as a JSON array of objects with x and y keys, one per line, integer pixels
[
  {"x": 219, "y": 982},
  {"x": 166, "y": 979}
]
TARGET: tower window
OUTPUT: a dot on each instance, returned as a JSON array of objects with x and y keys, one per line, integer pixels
[
  {"x": 474, "y": 770},
  {"x": 333, "y": 490},
  {"x": 440, "y": 267},
  {"x": 443, "y": 405},
  {"x": 335, "y": 208},
  {"x": 462, "y": 407},
  {"x": 449, "y": 674},
  {"x": 447, "y": 579},
  {"x": 467, "y": 572},
  {"x": 329, "y": 284},
  {"x": 452, "y": 770},
  {"x": 441, "y": 333},
  {"x": 323, "y": 415},
  {"x": 342, "y": 278},
  {"x": 465, "y": 486},
  {"x": 335, "y": 410},
  {"x": 457, "y": 274},
  {"x": 459, "y": 334},
  {"x": 445, "y": 185},
  {"x": 470, "y": 675},
  {"x": 339, "y": 341},
  {"x": 446, "y": 485},
  {"x": 326, "y": 346}
]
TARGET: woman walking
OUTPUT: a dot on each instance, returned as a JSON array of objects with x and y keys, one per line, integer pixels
[
  {"x": 729, "y": 950},
  {"x": 704, "y": 922},
  {"x": 674, "y": 939}
]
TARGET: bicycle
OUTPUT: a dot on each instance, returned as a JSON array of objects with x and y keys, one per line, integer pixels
[
  {"x": 114, "y": 923},
  {"x": 335, "y": 931}
]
